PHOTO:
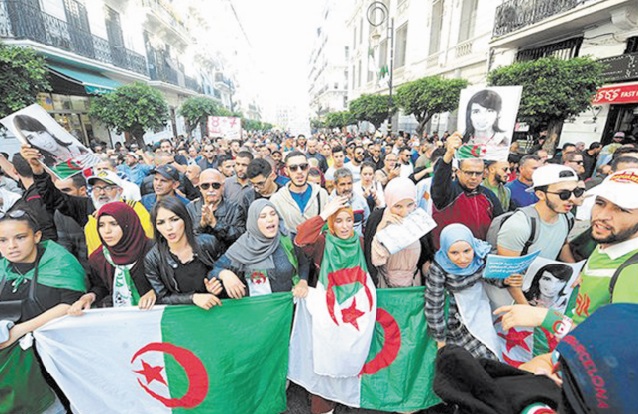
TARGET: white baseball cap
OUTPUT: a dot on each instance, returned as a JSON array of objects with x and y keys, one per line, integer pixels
[
  {"x": 107, "y": 176},
  {"x": 552, "y": 174},
  {"x": 620, "y": 188}
]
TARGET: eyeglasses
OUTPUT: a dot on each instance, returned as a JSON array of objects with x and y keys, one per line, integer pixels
[
  {"x": 296, "y": 167},
  {"x": 98, "y": 188},
  {"x": 15, "y": 214},
  {"x": 206, "y": 186},
  {"x": 472, "y": 173},
  {"x": 581, "y": 162},
  {"x": 566, "y": 194}
]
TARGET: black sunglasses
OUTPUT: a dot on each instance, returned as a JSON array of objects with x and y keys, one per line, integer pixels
[
  {"x": 566, "y": 194},
  {"x": 295, "y": 167},
  {"x": 15, "y": 214},
  {"x": 206, "y": 186}
]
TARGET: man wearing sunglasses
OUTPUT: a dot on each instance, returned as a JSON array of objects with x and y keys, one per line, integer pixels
[
  {"x": 576, "y": 162},
  {"x": 463, "y": 200},
  {"x": 556, "y": 187},
  {"x": 212, "y": 213},
  {"x": 298, "y": 200}
]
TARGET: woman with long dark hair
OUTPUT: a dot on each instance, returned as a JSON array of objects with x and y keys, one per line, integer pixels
[
  {"x": 178, "y": 265},
  {"x": 39, "y": 280},
  {"x": 548, "y": 286},
  {"x": 117, "y": 277},
  {"x": 481, "y": 120}
]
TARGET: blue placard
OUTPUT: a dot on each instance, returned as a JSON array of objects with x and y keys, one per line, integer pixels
[{"x": 501, "y": 267}]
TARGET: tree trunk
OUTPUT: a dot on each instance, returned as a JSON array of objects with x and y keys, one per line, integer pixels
[
  {"x": 554, "y": 129},
  {"x": 422, "y": 121}
]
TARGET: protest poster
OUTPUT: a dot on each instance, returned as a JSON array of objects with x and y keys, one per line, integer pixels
[
  {"x": 62, "y": 153},
  {"x": 487, "y": 117},
  {"x": 228, "y": 127},
  {"x": 396, "y": 237},
  {"x": 501, "y": 267},
  {"x": 548, "y": 283}
]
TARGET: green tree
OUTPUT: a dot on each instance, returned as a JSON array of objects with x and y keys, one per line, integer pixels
[
  {"x": 371, "y": 108},
  {"x": 428, "y": 96},
  {"x": 133, "y": 108},
  {"x": 553, "y": 90},
  {"x": 339, "y": 119},
  {"x": 196, "y": 111},
  {"x": 23, "y": 74}
]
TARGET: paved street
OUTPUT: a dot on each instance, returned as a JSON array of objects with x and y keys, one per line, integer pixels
[{"x": 298, "y": 404}]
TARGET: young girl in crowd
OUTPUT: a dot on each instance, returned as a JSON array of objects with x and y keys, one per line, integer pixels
[
  {"x": 330, "y": 250},
  {"x": 368, "y": 188},
  {"x": 178, "y": 265},
  {"x": 117, "y": 276},
  {"x": 38, "y": 283},
  {"x": 403, "y": 268},
  {"x": 456, "y": 275},
  {"x": 264, "y": 258}
]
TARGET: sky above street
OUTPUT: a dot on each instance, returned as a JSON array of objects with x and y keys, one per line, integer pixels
[{"x": 281, "y": 33}]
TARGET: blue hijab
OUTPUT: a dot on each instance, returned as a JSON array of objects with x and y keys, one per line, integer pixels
[{"x": 452, "y": 234}]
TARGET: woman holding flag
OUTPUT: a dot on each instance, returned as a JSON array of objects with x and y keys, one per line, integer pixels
[
  {"x": 332, "y": 251},
  {"x": 117, "y": 276},
  {"x": 38, "y": 283},
  {"x": 264, "y": 258},
  {"x": 455, "y": 277}
]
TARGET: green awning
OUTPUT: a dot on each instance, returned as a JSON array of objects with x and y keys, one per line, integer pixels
[{"x": 94, "y": 82}]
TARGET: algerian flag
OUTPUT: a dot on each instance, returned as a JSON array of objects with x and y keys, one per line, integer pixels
[
  {"x": 173, "y": 358},
  {"x": 343, "y": 308},
  {"x": 399, "y": 368},
  {"x": 383, "y": 76}
]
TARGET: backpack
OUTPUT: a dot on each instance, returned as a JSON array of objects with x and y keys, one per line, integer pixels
[
  {"x": 612, "y": 283},
  {"x": 533, "y": 219}
]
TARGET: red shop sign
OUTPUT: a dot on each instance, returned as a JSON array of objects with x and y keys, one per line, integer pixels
[{"x": 617, "y": 94}]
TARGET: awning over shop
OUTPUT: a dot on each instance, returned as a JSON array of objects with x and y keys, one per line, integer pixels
[
  {"x": 94, "y": 82},
  {"x": 622, "y": 93}
]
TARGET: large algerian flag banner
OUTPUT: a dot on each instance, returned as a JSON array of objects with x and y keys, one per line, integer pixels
[
  {"x": 173, "y": 358},
  {"x": 398, "y": 371}
]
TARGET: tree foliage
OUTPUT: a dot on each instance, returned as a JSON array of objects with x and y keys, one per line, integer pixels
[
  {"x": 23, "y": 75},
  {"x": 553, "y": 90},
  {"x": 133, "y": 108},
  {"x": 428, "y": 96},
  {"x": 197, "y": 109},
  {"x": 255, "y": 125},
  {"x": 340, "y": 119},
  {"x": 371, "y": 108}
]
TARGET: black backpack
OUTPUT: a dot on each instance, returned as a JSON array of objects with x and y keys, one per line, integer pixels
[{"x": 532, "y": 217}]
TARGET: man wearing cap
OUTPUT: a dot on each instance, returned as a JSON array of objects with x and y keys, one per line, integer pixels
[
  {"x": 105, "y": 188},
  {"x": 165, "y": 182},
  {"x": 615, "y": 228},
  {"x": 130, "y": 191},
  {"x": 213, "y": 214},
  {"x": 556, "y": 187}
]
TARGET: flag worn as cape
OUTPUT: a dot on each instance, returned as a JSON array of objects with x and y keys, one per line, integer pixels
[
  {"x": 399, "y": 369},
  {"x": 230, "y": 359}
]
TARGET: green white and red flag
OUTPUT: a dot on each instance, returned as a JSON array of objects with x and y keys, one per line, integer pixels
[
  {"x": 173, "y": 358},
  {"x": 399, "y": 365}
]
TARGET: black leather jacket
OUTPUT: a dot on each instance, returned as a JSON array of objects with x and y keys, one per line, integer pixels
[{"x": 160, "y": 271}]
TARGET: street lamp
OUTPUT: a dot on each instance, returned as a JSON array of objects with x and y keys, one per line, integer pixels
[{"x": 377, "y": 15}]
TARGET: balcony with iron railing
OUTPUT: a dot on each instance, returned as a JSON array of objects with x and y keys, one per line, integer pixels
[
  {"x": 18, "y": 20},
  {"x": 192, "y": 84},
  {"x": 164, "y": 14},
  {"x": 517, "y": 14}
]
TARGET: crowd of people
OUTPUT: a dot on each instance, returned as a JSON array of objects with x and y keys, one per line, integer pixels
[{"x": 197, "y": 221}]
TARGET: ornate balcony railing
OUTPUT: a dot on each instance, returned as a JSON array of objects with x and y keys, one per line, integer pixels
[
  {"x": 192, "y": 84},
  {"x": 166, "y": 14},
  {"x": 18, "y": 20},
  {"x": 516, "y": 14}
]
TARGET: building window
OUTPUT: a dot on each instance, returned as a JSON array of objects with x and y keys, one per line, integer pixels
[
  {"x": 347, "y": 52},
  {"x": 401, "y": 44},
  {"x": 354, "y": 75},
  {"x": 359, "y": 75},
  {"x": 562, "y": 50},
  {"x": 436, "y": 26},
  {"x": 383, "y": 54},
  {"x": 468, "y": 20},
  {"x": 632, "y": 45},
  {"x": 354, "y": 39},
  {"x": 360, "y": 31}
]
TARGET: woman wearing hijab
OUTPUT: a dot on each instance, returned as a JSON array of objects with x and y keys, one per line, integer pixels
[
  {"x": 178, "y": 266},
  {"x": 117, "y": 277},
  {"x": 405, "y": 267},
  {"x": 456, "y": 275},
  {"x": 39, "y": 280},
  {"x": 264, "y": 258},
  {"x": 331, "y": 250}
]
